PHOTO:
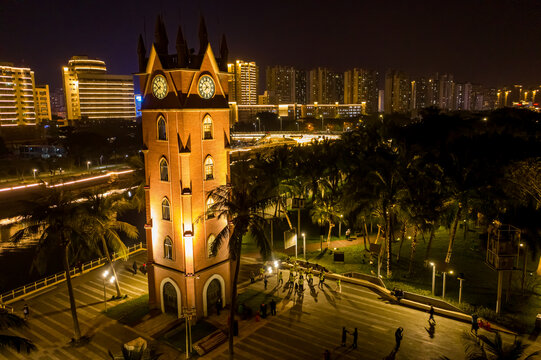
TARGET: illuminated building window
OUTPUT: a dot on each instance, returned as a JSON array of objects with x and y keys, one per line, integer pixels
[
  {"x": 168, "y": 248},
  {"x": 210, "y": 241},
  {"x": 207, "y": 128},
  {"x": 210, "y": 212},
  {"x": 209, "y": 168},
  {"x": 166, "y": 214},
  {"x": 164, "y": 170},
  {"x": 162, "y": 131}
]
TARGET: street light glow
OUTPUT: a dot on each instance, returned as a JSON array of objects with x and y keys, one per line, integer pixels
[
  {"x": 105, "y": 273},
  {"x": 112, "y": 279},
  {"x": 432, "y": 264}
]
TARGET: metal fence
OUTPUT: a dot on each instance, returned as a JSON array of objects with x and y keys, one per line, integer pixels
[{"x": 19, "y": 292}]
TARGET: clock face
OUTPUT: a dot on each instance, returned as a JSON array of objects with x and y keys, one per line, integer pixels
[
  {"x": 159, "y": 86},
  {"x": 206, "y": 87}
]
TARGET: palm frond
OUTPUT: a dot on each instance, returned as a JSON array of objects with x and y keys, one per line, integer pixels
[{"x": 17, "y": 343}]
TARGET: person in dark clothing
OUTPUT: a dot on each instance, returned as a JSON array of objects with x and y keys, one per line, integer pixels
[
  {"x": 252, "y": 277},
  {"x": 398, "y": 334},
  {"x": 273, "y": 307},
  {"x": 474, "y": 324},
  {"x": 431, "y": 312},
  {"x": 263, "y": 310},
  {"x": 26, "y": 311},
  {"x": 218, "y": 305},
  {"x": 265, "y": 281},
  {"x": 355, "y": 336},
  {"x": 134, "y": 266},
  {"x": 344, "y": 334},
  {"x": 327, "y": 355}
]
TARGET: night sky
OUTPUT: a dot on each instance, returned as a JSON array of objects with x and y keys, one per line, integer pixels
[{"x": 492, "y": 42}]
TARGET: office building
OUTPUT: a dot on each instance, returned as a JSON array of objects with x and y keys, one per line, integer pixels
[
  {"x": 91, "y": 93},
  {"x": 397, "y": 92},
  {"x": 186, "y": 139},
  {"x": 42, "y": 103},
  {"x": 16, "y": 96},
  {"x": 243, "y": 82},
  {"x": 361, "y": 86},
  {"x": 58, "y": 103}
]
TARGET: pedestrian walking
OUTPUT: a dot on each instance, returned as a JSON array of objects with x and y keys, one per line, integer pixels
[
  {"x": 26, "y": 311},
  {"x": 344, "y": 335},
  {"x": 296, "y": 288},
  {"x": 263, "y": 310},
  {"x": 338, "y": 286},
  {"x": 311, "y": 279},
  {"x": 265, "y": 282},
  {"x": 252, "y": 277},
  {"x": 273, "y": 307},
  {"x": 134, "y": 267},
  {"x": 327, "y": 355},
  {"x": 280, "y": 278},
  {"x": 218, "y": 305},
  {"x": 431, "y": 312},
  {"x": 355, "y": 336},
  {"x": 398, "y": 334},
  {"x": 261, "y": 273},
  {"x": 301, "y": 287},
  {"x": 474, "y": 324},
  {"x": 348, "y": 233}
]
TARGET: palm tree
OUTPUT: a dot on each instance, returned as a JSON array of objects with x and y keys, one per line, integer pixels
[
  {"x": 102, "y": 224},
  {"x": 8, "y": 320},
  {"x": 326, "y": 207},
  {"x": 494, "y": 349},
  {"x": 241, "y": 204},
  {"x": 58, "y": 221}
]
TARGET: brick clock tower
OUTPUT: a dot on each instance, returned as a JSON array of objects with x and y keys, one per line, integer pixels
[{"x": 186, "y": 142}]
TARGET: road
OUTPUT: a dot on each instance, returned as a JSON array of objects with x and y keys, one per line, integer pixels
[
  {"x": 50, "y": 322},
  {"x": 306, "y": 327}
]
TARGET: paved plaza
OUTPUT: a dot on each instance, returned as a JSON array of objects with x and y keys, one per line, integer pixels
[{"x": 51, "y": 325}]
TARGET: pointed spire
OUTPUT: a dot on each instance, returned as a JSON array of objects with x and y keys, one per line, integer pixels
[
  {"x": 141, "y": 54},
  {"x": 182, "y": 49},
  {"x": 224, "y": 52},
  {"x": 203, "y": 36},
  {"x": 160, "y": 36}
]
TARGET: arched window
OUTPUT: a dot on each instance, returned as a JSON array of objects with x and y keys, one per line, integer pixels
[
  {"x": 209, "y": 168},
  {"x": 210, "y": 213},
  {"x": 164, "y": 170},
  {"x": 210, "y": 241},
  {"x": 207, "y": 127},
  {"x": 162, "y": 130},
  {"x": 168, "y": 248},
  {"x": 166, "y": 214}
]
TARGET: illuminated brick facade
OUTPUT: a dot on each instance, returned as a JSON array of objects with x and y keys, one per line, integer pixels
[{"x": 186, "y": 139}]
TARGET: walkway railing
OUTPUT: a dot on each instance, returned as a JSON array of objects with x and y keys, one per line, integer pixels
[{"x": 19, "y": 292}]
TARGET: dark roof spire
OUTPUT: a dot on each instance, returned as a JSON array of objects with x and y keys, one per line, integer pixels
[
  {"x": 182, "y": 49},
  {"x": 224, "y": 52},
  {"x": 160, "y": 34},
  {"x": 203, "y": 36},
  {"x": 141, "y": 54}
]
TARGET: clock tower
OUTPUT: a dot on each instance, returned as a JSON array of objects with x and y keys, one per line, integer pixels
[{"x": 186, "y": 142}]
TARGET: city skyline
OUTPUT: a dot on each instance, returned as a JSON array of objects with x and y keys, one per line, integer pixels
[{"x": 476, "y": 42}]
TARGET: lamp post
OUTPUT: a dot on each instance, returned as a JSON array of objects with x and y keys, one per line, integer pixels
[
  {"x": 304, "y": 245},
  {"x": 34, "y": 171},
  {"x": 88, "y": 165},
  {"x": 340, "y": 227},
  {"x": 111, "y": 280},
  {"x": 321, "y": 116},
  {"x": 258, "y": 124},
  {"x": 433, "y": 278},
  {"x": 460, "y": 278},
  {"x": 277, "y": 272},
  {"x": 296, "y": 244},
  {"x": 188, "y": 315},
  {"x": 444, "y": 276}
]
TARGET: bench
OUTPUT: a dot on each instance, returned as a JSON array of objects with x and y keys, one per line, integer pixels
[{"x": 210, "y": 342}]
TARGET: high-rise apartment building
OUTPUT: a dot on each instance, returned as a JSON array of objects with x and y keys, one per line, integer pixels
[
  {"x": 58, "y": 103},
  {"x": 42, "y": 103},
  {"x": 300, "y": 87},
  {"x": 16, "y": 96},
  {"x": 244, "y": 82},
  {"x": 397, "y": 92},
  {"x": 361, "y": 86},
  {"x": 281, "y": 84},
  {"x": 325, "y": 86},
  {"x": 446, "y": 92},
  {"x": 91, "y": 93}
]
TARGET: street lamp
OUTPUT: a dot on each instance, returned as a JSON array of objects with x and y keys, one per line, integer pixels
[
  {"x": 188, "y": 314},
  {"x": 88, "y": 165},
  {"x": 460, "y": 278},
  {"x": 444, "y": 275},
  {"x": 34, "y": 171},
  {"x": 304, "y": 245},
  {"x": 280, "y": 118},
  {"x": 340, "y": 227},
  {"x": 258, "y": 123},
  {"x": 433, "y": 278},
  {"x": 321, "y": 116},
  {"x": 111, "y": 280}
]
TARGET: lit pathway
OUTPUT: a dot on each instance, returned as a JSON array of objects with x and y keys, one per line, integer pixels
[
  {"x": 51, "y": 326},
  {"x": 304, "y": 329}
]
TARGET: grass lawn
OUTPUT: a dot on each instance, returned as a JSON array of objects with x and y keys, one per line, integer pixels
[
  {"x": 130, "y": 312},
  {"x": 479, "y": 286}
]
